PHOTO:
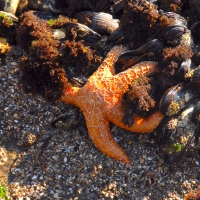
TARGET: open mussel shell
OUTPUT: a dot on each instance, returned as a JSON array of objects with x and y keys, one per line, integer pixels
[{"x": 176, "y": 98}]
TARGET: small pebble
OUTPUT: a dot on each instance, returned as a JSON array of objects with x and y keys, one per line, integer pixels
[
  {"x": 13, "y": 63},
  {"x": 55, "y": 195}
]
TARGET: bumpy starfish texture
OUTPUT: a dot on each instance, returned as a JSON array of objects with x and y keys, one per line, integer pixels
[{"x": 100, "y": 101}]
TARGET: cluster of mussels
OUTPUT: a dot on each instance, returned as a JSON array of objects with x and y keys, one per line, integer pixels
[{"x": 65, "y": 41}]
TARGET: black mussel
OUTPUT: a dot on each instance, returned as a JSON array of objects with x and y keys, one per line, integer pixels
[
  {"x": 104, "y": 23},
  {"x": 171, "y": 5},
  {"x": 44, "y": 15},
  {"x": 196, "y": 120},
  {"x": 103, "y": 6},
  {"x": 177, "y": 34},
  {"x": 98, "y": 21},
  {"x": 196, "y": 113},
  {"x": 181, "y": 150},
  {"x": 176, "y": 134},
  {"x": 164, "y": 130},
  {"x": 84, "y": 32},
  {"x": 185, "y": 67},
  {"x": 154, "y": 46},
  {"x": 117, "y": 35},
  {"x": 195, "y": 29},
  {"x": 125, "y": 62},
  {"x": 118, "y": 6},
  {"x": 179, "y": 20},
  {"x": 85, "y": 17},
  {"x": 194, "y": 76},
  {"x": 176, "y": 98},
  {"x": 50, "y": 5}
]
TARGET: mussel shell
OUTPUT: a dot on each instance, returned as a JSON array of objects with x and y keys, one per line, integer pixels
[
  {"x": 103, "y": 6},
  {"x": 104, "y": 23},
  {"x": 185, "y": 67},
  {"x": 196, "y": 76},
  {"x": 176, "y": 134},
  {"x": 178, "y": 3},
  {"x": 118, "y": 6},
  {"x": 173, "y": 34},
  {"x": 154, "y": 46},
  {"x": 179, "y": 20},
  {"x": 195, "y": 29},
  {"x": 175, "y": 156},
  {"x": 116, "y": 35},
  {"x": 196, "y": 113},
  {"x": 176, "y": 98},
  {"x": 85, "y": 17},
  {"x": 84, "y": 32},
  {"x": 44, "y": 15},
  {"x": 9, "y": 6}
]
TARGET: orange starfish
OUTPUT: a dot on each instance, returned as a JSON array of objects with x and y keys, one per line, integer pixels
[{"x": 100, "y": 101}]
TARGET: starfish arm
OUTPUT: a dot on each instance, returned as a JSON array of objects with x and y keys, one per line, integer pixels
[
  {"x": 141, "y": 124},
  {"x": 106, "y": 69},
  {"x": 99, "y": 132},
  {"x": 122, "y": 80},
  {"x": 70, "y": 95}
]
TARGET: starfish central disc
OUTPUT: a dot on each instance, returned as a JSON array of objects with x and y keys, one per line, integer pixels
[{"x": 100, "y": 101}]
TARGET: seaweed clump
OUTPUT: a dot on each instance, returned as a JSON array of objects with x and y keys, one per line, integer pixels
[
  {"x": 192, "y": 195},
  {"x": 169, "y": 62},
  {"x": 137, "y": 22},
  {"x": 41, "y": 73},
  {"x": 87, "y": 62},
  {"x": 49, "y": 63},
  {"x": 138, "y": 99}
]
